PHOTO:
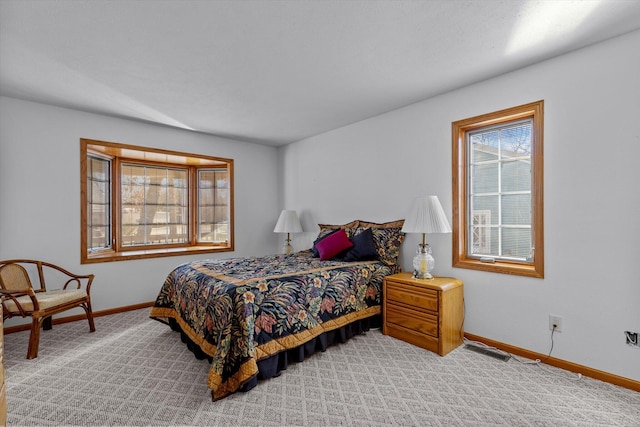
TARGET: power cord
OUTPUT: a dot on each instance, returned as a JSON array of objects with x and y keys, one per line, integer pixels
[
  {"x": 553, "y": 331},
  {"x": 464, "y": 313},
  {"x": 571, "y": 376}
]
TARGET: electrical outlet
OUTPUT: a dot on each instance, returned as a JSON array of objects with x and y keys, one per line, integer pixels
[
  {"x": 632, "y": 339},
  {"x": 555, "y": 321}
]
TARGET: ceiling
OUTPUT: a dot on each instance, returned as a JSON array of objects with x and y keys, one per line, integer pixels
[{"x": 274, "y": 72}]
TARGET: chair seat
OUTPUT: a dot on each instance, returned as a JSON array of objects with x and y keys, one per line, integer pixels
[{"x": 46, "y": 300}]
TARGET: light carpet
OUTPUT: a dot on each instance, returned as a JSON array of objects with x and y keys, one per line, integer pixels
[{"x": 136, "y": 371}]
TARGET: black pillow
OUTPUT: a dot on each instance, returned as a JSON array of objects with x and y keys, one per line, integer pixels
[{"x": 364, "y": 247}]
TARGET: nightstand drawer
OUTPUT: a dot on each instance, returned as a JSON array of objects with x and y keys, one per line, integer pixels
[
  {"x": 412, "y": 337},
  {"x": 411, "y": 319},
  {"x": 423, "y": 298}
]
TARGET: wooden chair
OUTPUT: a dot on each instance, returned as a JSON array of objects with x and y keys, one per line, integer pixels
[{"x": 19, "y": 298}]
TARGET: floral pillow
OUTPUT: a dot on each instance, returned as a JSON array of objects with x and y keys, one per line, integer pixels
[
  {"x": 352, "y": 224},
  {"x": 387, "y": 237}
]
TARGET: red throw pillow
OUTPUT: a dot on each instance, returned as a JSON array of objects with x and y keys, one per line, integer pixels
[{"x": 333, "y": 244}]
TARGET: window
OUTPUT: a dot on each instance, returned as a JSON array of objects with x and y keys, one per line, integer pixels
[
  {"x": 98, "y": 204},
  {"x": 139, "y": 202},
  {"x": 498, "y": 191}
]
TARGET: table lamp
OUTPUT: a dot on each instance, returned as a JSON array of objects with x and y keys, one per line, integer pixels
[
  {"x": 426, "y": 216},
  {"x": 288, "y": 222}
]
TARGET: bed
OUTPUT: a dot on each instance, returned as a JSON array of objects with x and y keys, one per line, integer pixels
[{"x": 251, "y": 316}]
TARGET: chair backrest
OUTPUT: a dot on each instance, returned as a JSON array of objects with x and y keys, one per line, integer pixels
[{"x": 14, "y": 277}]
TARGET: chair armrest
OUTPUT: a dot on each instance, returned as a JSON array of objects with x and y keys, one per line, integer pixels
[
  {"x": 13, "y": 296},
  {"x": 73, "y": 278},
  {"x": 78, "y": 279}
]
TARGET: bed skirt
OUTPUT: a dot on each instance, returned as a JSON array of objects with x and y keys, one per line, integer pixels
[{"x": 273, "y": 365}]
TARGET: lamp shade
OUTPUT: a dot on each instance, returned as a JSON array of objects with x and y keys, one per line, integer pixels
[
  {"x": 426, "y": 216},
  {"x": 288, "y": 222}
]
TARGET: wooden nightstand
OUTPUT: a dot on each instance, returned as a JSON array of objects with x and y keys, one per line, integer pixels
[{"x": 428, "y": 313}]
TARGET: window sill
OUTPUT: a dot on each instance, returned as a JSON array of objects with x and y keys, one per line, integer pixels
[
  {"x": 517, "y": 269},
  {"x": 109, "y": 256}
]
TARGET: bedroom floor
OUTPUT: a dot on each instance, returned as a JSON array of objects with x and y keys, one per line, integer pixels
[{"x": 136, "y": 371}]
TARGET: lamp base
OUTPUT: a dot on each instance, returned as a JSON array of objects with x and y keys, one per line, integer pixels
[
  {"x": 287, "y": 248},
  {"x": 423, "y": 262},
  {"x": 421, "y": 275}
]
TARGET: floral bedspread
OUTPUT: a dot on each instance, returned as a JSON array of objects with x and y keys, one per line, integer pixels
[{"x": 241, "y": 310}]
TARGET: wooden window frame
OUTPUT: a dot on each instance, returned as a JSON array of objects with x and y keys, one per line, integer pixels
[
  {"x": 460, "y": 168},
  {"x": 119, "y": 153}
]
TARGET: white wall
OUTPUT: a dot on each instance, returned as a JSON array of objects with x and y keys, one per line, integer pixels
[
  {"x": 373, "y": 169},
  {"x": 40, "y": 194}
]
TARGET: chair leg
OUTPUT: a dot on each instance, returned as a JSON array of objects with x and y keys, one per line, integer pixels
[
  {"x": 87, "y": 309},
  {"x": 34, "y": 339},
  {"x": 47, "y": 324}
]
